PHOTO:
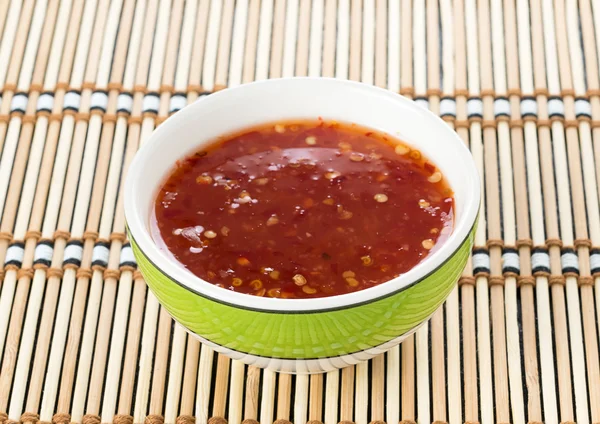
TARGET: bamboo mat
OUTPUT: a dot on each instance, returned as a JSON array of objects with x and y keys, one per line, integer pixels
[{"x": 84, "y": 83}]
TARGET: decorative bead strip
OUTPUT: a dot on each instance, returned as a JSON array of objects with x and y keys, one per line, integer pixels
[
  {"x": 99, "y": 101},
  {"x": 14, "y": 254},
  {"x": 100, "y": 254},
  {"x": 151, "y": 103},
  {"x": 178, "y": 102},
  {"x": 43, "y": 253},
  {"x": 481, "y": 261},
  {"x": 422, "y": 101},
  {"x": 501, "y": 107},
  {"x": 583, "y": 109},
  {"x": 72, "y": 101},
  {"x": 556, "y": 107},
  {"x": 475, "y": 108},
  {"x": 595, "y": 261},
  {"x": 569, "y": 261},
  {"x": 45, "y": 102},
  {"x": 73, "y": 253},
  {"x": 448, "y": 107},
  {"x": 510, "y": 261},
  {"x": 127, "y": 258},
  {"x": 124, "y": 103},
  {"x": 18, "y": 103},
  {"x": 529, "y": 107},
  {"x": 540, "y": 261}
]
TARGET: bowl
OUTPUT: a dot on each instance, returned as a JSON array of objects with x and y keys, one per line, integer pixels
[{"x": 301, "y": 335}]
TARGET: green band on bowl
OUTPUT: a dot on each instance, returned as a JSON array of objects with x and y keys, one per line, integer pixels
[{"x": 316, "y": 334}]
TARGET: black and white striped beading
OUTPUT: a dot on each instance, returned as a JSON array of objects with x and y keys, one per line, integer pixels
[
  {"x": 448, "y": 107},
  {"x": 178, "y": 102},
  {"x": 100, "y": 254},
  {"x": 124, "y": 103},
  {"x": 510, "y": 261},
  {"x": 19, "y": 103},
  {"x": 72, "y": 101},
  {"x": 45, "y": 102},
  {"x": 422, "y": 101},
  {"x": 569, "y": 261},
  {"x": 481, "y": 261},
  {"x": 529, "y": 107},
  {"x": 151, "y": 103},
  {"x": 556, "y": 107},
  {"x": 595, "y": 261},
  {"x": 540, "y": 260},
  {"x": 127, "y": 258},
  {"x": 14, "y": 254},
  {"x": 73, "y": 253},
  {"x": 474, "y": 108},
  {"x": 43, "y": 253},
  {"x": 501, "y": 107},
  {"x": 583, "y": 108},
  {"x": 99, "y": 100}
]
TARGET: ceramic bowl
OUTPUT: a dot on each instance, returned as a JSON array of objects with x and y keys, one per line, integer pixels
[{"x": 301, "y": 335}]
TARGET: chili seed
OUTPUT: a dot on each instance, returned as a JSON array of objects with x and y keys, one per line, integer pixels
[
  {"x": 299, "y": 279},
  {"x": 329, "y": 201},
  {"x": 366, "y": 260},
  {"x": 332, "y": 175},
  {"x": 236, "y": 282},
  {"x": 204, "y": 179},
  {"x": 309, "y": 290},
  {"x": 261, "y": 292},
  {"x": 423, "y": 203},
  {"x": 434, "y": 231},
  {"x": 352, "y": 282},
  {"x": 225, "y": 231},
  {"x": 401, "y": 149},
  {"x": 243, "y": 261},
  {"x": 279, "y": 128},
  {"x": 274, "y": 292},
  {"x": 427, "y": 244},
  {"x": 348, "y": 274},
  {"x": 274, "y": 275},
  {"x": 210, "y": 234},
  {"x": 345, "y": 214},
  {"x": 415, "y": 154},
  {"x": 356, "y": 157},
  {"x": 436, "y": 177},
  {"x": 311, "y": 141},
  {"x": 261, "y": 181},
  {"x": 256, "y": 284},
  {"x": 381, "y": 198},
  {"x": 273, "y": 220}
]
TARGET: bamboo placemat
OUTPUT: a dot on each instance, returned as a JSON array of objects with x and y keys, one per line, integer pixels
[{"x": 84, "y": 83}]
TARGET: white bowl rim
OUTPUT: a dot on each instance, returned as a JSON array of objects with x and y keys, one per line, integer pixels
[{"x": 181, "y": 276}]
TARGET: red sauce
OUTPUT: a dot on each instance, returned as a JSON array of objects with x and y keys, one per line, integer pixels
[{"x": 303, "y": 209}]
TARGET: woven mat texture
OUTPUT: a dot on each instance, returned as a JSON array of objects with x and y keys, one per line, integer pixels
[{"x": 84, "y": 83}]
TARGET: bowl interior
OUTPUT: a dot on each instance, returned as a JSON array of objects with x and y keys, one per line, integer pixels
[{"x": 298, "y": 98}]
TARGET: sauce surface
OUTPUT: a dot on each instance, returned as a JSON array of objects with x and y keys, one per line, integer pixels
[{"x": 302, "y": 210}]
